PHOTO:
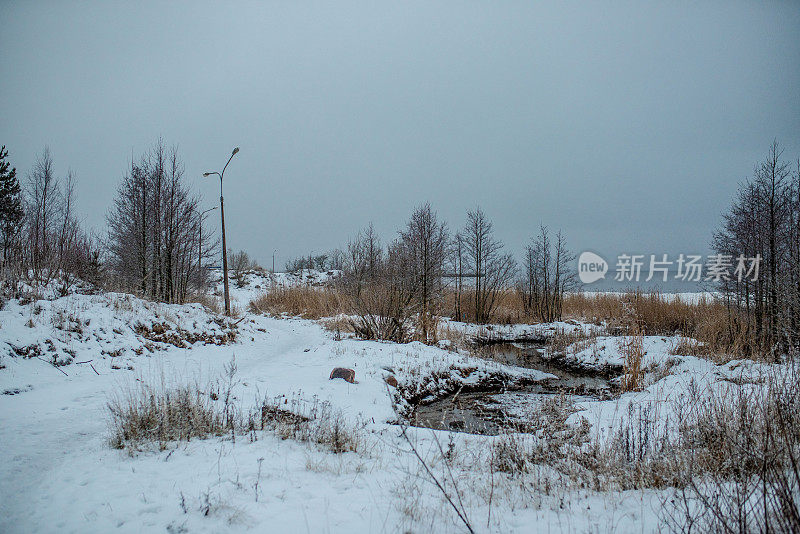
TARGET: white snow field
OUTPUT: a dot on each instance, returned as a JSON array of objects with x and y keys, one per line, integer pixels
[{"x": 58, "y": 472}]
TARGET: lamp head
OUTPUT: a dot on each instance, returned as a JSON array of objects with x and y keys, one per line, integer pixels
[{"x": 235, "y": 150}]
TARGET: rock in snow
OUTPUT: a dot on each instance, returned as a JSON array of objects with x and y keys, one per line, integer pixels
[{"x": 347, "y": 374}]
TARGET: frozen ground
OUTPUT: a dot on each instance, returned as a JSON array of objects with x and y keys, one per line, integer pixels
[{"x": 58, "y": 472}]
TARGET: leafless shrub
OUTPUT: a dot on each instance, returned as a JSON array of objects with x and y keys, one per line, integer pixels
[
  {"x": 240, "y": 264},
  {"x": 743, "y": 468},
  {"x": 378, "y": 288}
]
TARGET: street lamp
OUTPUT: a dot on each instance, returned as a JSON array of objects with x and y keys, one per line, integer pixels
[{"x": 222, "y": 215}]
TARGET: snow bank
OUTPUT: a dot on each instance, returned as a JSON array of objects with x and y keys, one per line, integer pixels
[
  {"x": 60, "y": 474},
  {"x": 112, "y": 325}
]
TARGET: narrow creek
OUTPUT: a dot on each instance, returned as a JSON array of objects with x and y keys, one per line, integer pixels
[{"x": 493, "y": 411}]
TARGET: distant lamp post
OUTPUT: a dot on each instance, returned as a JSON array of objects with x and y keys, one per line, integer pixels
[
  {"x": 200, "y": 255},
  {"x": 224, "y": 246},
  {"x": 273, "y": 260}
]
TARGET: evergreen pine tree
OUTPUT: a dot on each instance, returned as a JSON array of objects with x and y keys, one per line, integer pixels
[{"x": 10, "y": 204}]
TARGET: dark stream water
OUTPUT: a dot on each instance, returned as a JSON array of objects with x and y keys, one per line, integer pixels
[{"x": 492, "y": 411}]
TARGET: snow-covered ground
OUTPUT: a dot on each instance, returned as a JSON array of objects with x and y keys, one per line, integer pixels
[
  {"x": 59, "y": 473},
  {"x": 515, "y": 332}
]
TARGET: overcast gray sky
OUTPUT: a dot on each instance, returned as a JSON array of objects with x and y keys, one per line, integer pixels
[{"x": 627, "y": 124}]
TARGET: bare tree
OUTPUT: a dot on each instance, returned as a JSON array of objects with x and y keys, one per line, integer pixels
[
  {"x": 42, "y": 207},
  {"x": 363, "y": 260},
  {"x": 493, "y": 269},
  {"x": 547, "y": 276},
  {"x": 54, "y": 245},
  {"x": 154, "y": 229},
  {"x": 424, "y": 243},
  {"x": 69, "y": 238},
  {"x": 129, "y": 226},
  {"x": 764, "y": 222},
  {"x": 457, "y": 261}
]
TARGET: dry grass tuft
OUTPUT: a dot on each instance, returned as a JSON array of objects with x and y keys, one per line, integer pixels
[
  {"x": 299, "y": 301},
  {"x": 147, "y": 416},
  {"x": 544, "y": 440},
  {"x": 210, "y": 302},
  {"x": 309, "y": 422},
  {"x": 339, "y": 325},
  {"x": 721, "y": 334},
  {"x": 508, "y": 308},
  {"x": 632, "y": 347},
  {"x": 653, "y": 313},
  {"x": 162, "y": 415},
  {"x": 708, "y": 320},
  {"x": 576, "y": 340},
  {"x": 686, "y": 346}
]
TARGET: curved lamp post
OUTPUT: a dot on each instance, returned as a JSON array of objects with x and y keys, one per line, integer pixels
[{"x": 224, "y": 247}]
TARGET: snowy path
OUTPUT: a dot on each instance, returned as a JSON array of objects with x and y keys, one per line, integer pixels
[
  {"x": 39, "y": 431},
  {"x": 58, "y": 472},
  {"x": 62, "y": 420}
]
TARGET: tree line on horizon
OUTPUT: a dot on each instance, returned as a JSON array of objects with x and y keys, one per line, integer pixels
[
  {"x": 389, "y": 284},
  {"x": 156, "y": 247}
]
